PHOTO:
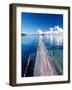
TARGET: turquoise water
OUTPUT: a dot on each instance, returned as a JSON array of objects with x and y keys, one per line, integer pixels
[
  {"x": 29, "y": 44},
  {"x": 54, "y": 44}
]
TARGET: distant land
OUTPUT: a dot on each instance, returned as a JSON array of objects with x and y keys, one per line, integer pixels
[
  {"x": 52, "y": 31},
  {"x": 23, "y": 34}
]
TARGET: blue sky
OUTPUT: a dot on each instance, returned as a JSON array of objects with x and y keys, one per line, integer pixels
[{"x": 31, "y": 22}]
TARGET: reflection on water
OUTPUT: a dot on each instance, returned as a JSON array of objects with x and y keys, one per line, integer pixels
[
  {"x": 29, "y": 44},
  {"x": 54, "y": 44},
  {"x": 54, "y": 39}
]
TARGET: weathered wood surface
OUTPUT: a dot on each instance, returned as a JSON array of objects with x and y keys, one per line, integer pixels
[{"x": 44, "y": 65}]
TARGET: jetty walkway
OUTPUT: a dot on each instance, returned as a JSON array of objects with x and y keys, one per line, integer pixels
[{"x": 44, "y": 65}]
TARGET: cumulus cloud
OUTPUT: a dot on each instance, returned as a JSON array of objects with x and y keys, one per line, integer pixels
[
  {"x": 52, "y": 30},
  {"x": 55, "y": 30},
  {"x": 59, "y": 29},
  {"x": 40, "y": 31}
]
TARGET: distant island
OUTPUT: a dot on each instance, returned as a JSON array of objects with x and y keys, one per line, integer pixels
[
  {"x": 23, "y": 34},
  {"x": 52, "y": 31}
]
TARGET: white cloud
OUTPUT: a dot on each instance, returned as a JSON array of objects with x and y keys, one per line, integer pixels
[
  {"x": 55, "y": 30},
  {"x": 59, "y": 29},
  {"x": 40, "y": 31}
]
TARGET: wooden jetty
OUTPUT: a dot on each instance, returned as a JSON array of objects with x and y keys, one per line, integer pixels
[{"x": 44, "y": 65}]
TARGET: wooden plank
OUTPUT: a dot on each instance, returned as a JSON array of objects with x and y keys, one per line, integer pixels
[{"x": 43, "y": 66}]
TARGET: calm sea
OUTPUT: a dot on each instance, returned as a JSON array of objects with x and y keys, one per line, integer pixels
[{"x": 29, "y": 44}]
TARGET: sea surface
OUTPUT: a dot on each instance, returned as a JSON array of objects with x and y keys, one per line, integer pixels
[{"x": 29, "y": 44}]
